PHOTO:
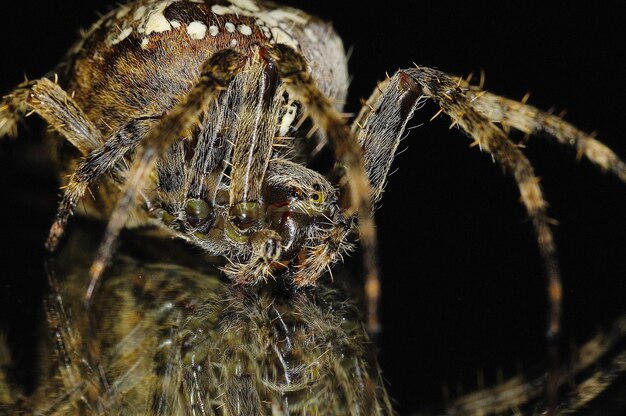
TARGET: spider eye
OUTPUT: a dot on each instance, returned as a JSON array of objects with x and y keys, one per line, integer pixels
[
  {"x": 197, "y": 210},
  {"x": 318, "y": 197},
  {"x": 296, "y": 193}
]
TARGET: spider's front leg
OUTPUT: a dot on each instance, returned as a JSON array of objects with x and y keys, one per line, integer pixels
[
  {"x": 252, "y": 151},
  {"x": 470, "y": 108},
  {"x": 60, "y": 111},
  {"x": 446, "y": 92},
  {"x": 216, "y": 74},
  {"x": 103, "y": 160}
]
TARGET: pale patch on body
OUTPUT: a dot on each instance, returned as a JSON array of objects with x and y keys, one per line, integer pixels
[
  {"x": 139, "y": 13},
  {"x": 288, "y": 118},
  {"x": 148, "y": 17},
  {"x": 156, "y": 21},
  {"x": 275, "y": 24},
  {"x": 122, "y": 12},
  {"x": 196, "y": 30},
  {"x": 123, "y": 35},
  {"x": 245, "y": 4},
  {"x": 245, "y": 30},
  {"x": 311, "y": 35},
  {"x": 230, "y": 28}
]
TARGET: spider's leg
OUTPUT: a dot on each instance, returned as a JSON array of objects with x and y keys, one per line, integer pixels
[
  {"x": 79, "y": 380},
  {"x": 293, "y": 70},
  {"x": 533, "y": 121},
  {"x": 212, "y": 154},
  {"x": 445, "y": 91},
  {"x": 258, "y": 122},
  {"x": 97, "y": 163},
  {"x": 381, "y": 124},
  {"x": 608, "y": 364},
  {"x": 216, "y": 74},
  {"x": 54, "y": 105},
  {"x": 594, "y": 368}
]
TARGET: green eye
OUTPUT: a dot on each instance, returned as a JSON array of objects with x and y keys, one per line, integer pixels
[
  {"x": 163, "y": 215},
  {"x": 197, "y": 211}
]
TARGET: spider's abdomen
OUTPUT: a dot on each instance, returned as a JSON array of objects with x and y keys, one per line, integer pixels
[{"x": 140, "y": 58}]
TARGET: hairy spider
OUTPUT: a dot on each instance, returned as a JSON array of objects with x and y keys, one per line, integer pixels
[
  {"x": 208, "y": 47},
  {"x": 176, "y": 58},
  {"x": 193, "y": 209}
]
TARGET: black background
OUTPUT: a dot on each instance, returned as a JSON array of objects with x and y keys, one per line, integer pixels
[{"x": 463, "y": 288}]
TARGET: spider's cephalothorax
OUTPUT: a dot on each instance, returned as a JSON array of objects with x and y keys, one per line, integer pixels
[
  {"x": 183, "y": 104},
  {"x": 197, "y": 89},
  {"x": 210, "y": 113}
]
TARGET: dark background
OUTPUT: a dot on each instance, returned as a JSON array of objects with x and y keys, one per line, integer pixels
[{"x": 463, "y": 288}]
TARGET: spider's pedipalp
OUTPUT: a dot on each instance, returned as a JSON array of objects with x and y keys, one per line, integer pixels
[
  {"x": 216, "y": 74},
  {"x": 533, "y": 121},
  {"x": 99, "y": 162},
  {"x": 294, "y": 72},
  {"x": 54, "y": 105}
]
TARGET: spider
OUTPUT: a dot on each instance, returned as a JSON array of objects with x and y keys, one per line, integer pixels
[
  {"x": 230, "y": 40},
  {"x": 361, "y": 207}
]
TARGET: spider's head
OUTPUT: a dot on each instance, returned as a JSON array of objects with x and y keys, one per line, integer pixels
[{"x": 299, "y": 203}]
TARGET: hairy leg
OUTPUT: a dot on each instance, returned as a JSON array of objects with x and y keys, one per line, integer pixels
[
  {"x": 453, "y": 100},
  {"x": 91, "y": 168},
  {"x": 446, "y": 92},
  {"x": 593, "y": 369},
  {"x": 533, "y": 121},
  {"x": 258, "y": 123},
  {"x": 216, "y": 74},
  {"x": 212, "y": 154},
  {"x": 381, "y": 123},
  {"x": 354, "y": 184},
  {"x": 78, "y": 379},
  {"x": 54, "y": 105}
]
